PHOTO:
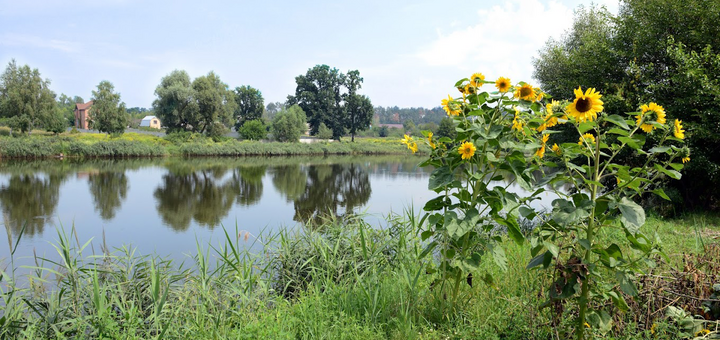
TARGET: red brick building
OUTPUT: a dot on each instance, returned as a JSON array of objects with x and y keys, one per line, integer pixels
[{"x": 82, "y": 113}]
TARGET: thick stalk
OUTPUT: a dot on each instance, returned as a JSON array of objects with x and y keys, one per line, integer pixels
[{"x": 585, "y": 294}]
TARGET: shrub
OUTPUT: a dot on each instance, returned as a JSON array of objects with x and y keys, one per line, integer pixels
[
  {"x": 324, "y": 132},
  {"x": 253, "y": 130},
  {"x": 289, "y": 124}
]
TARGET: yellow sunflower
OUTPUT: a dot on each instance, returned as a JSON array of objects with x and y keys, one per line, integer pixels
[
  {"x": 503, "y": 84},
  {"x": 450, "y": 106},
  {"x": 526, "y": 92},
  {"x": 678, "y": 130},
  {"x": 413, "y": 147},
  {"x": 587, "y": 138},
  {"x": 552, "y": 108},
  {"x": 516, "y": 123},
  {"x": 466, "y": 150},
  {"x": 406, "y": 139},
  {"x": 430, "y": 141},
  {"x": 651, "y": 112},
  {"x": 685, "y": 159},
  {"x": 556, "y": 149},
  {"x": 540, "y": 152},
  {"x": 477, "y": 79},
  {"x": 586, "y": 105}
]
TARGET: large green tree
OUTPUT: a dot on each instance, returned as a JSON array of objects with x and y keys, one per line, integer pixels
[
  {"x": 250, "y": 105},
  {"x": 108, "y": 112},
  {"x": 665, "y": 51},
  {"x": 358, "y": 108},
  {"x": 25, "y": 98},
  {"x": 289, "y": 124},
  {"x": 216, "y": 103},
  {"x": 319, "y": 94}
]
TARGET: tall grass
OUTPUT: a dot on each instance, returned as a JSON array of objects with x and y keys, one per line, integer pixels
[{"x": 340, "y": 279}]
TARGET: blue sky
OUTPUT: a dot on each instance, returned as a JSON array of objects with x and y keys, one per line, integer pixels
[{"x": 410, "y": 53}]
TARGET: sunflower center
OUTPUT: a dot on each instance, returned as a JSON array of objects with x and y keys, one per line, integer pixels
[
  {"x": 583, "y": 105},
  {"x": 525, "y": 91}
]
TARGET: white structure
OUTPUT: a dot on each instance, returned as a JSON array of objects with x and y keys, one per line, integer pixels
[{"x": 150, "y": 121}]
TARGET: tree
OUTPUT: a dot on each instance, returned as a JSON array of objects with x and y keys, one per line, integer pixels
[
  {"x": 25, "y": 98},
  {"x": 175, "y": 104},
  {"x": 272, "y": 109},
  {"x": 653, "y": 50},
  {"x": 288, "y": 125},
  {"x": 250, "y": 105},
  {"x": 253, "y": 130},
  {"x": 446, "y": 128},
  {"x": 359, "y": 110},
  {"x": 318, "y": 93},
  {"x": 108, "y": 112},
  {"x": 215, "y": 102}
]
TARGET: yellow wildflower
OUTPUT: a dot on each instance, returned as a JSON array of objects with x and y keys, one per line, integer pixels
[
  {"x": 407, "y": 139},
  {"x": 450, "y": 106},
  {"x": 526, "y": 92},
  {"x": 467, "y": 150},
  {"x": 430, "y": 141},
  {"x": 517, "y": 124},
  {"x": 685, "y": 159},
  {"x": 503, "y": 84},
  {"x": 651, "y": 112},
  {"x": 413, "y": 147},
  {"x": 540, "y": 152},
  {"x": 556, "y": 149},
  {"x": 587, "y": 138}
]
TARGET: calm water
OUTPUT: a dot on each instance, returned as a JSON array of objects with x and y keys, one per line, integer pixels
[{"x": 161, "y": 206}]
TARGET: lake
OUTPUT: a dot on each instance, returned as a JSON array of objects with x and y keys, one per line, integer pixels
[{"x": 162, "y": 206}]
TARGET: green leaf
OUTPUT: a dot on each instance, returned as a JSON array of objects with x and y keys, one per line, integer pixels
[
  {"x": 428, "y": 249},
  {"x": 617, "y": 131},
  {"x": 499, "y": 257},
  {"x": 440, "y": 178},
  {"x": 670, "y": 173},
  {"x": 633, "y": 215},
  {"x": 586, "y": 126},
  {"x": 552, "y": 248},
  {"x": 619, "y": 301},
  {"x": 660, "y": 192},
  {"x": 617, "y": 120},
  {"x": 436, "y": 203},
  {"x": 626, "y": 284},
  {"x": 659, "y": 149},
  {"x": 539, "y": 260},
  {"x": 565, "y": 213},
  {"x": 630, "y": 142}
]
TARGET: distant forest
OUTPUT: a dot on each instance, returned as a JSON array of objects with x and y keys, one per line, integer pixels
[{"x": 419, "y": 115}]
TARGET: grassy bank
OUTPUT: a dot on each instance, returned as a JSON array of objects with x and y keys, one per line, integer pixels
[
  {"x": 92, "y": 145},
  {"x": 341, "y": 280}
]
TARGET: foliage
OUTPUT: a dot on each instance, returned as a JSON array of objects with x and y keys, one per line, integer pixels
[
  {"x": 328, "y": 96},
  {"x": 664, "y": 51},
  {"x": 289, "y": 124},
  {"x": 324, "y": 132},
  {"x": 446, "y": 128},
  {"x": 108, "y": 112},
  {"x": 26, "y": 99},
  {"x": 253, "y": 130},
  {"x": 419, "y": 115},
  {"x": 215, "y": 103},
  {"x": 383, "y": 132},
  {"x": 250, "y": 105}
]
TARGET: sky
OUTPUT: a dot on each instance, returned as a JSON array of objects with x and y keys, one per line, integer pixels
[{"x": 410, "y": 53}]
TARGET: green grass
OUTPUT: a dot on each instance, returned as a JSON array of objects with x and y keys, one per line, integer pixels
[
  {"x": 342, "y": 279},
  {"x": 96, "y": 145}
]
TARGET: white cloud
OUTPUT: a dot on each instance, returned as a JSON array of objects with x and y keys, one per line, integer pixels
[{"x": 11, "y": 39}]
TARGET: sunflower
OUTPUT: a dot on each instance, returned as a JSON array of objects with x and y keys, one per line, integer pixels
[
  {"x": 430, "y": 141},
  {"x": 450, "y": 106},
  {"x": 540, "y": 152},
  {"x": 406, "y": 139},
  {"x": 552, "y": 108},
  {"x": 503, "y": 84},
  {"x": 526, "y": 92},
  {"x": 516, "y": 123},
  {"x": 586, "y": 106},
  {"x": 477, "y": 79},
  {"x": 678, "y": 130},
  {"x": 587, "y": 138},
  {"x": 466, "y": 150},
  {"x": 651, "y": 112},
  {"x": 470, "y": 88},
  {"x": 685, "y": 159},
  {"x": 556, "y": 149},
  {"x": 413, "y": 147}
]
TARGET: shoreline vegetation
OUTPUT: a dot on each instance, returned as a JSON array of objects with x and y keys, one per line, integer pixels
[
  {"x": 129, "y": 145},
  {"x": 340, "y": 279}
]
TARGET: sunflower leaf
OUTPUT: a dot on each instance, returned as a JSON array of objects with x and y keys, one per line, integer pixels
[{"x": 617, "y": 120}]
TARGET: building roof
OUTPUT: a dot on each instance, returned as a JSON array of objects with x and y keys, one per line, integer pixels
[
  {"x": 149, "y": 118},
  {"x": 83, "y": 106}
]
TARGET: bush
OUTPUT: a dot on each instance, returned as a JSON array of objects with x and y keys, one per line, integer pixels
[
  {"x": 253, "y": 130},
  {"x": 324, "y": 132},
  {"x": 289, "y": 124}
]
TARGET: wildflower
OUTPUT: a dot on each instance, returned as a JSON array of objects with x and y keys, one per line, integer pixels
[
  {"x": 678, "y": 130},
  {"x": 556, "y": 149},
  {"x": 552, "y": 108},
  {"x": 467, "y": 150},
  {"x": 685, "y": 159},
  {"x": 648, "y": 113},
  {"x": 587, "y": 138},
  {"x": 502, "y": 84},
  {"x": 526, "y": 92},
  {"x": 406, "y": 140},
  {"x": 540, "y": 152},
  {"x": 586, "y": 105},
  {"x": 430, "y": 141},
  {"x": 477, "y": 79},
  {"x": 450, "y": 106},
  {"x": 586, "y": 325},
  {"x": 702, "y": 332},
  {"x": 652, "y": 328}
]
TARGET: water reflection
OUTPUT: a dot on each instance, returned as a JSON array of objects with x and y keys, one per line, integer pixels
[{"x": 191, "y": 191}]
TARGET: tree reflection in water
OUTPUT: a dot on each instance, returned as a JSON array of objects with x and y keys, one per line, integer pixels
[
  {"x": 206, "y": 196},
  {"x": 30, "y": 200},
  {"x": 108, "y": 190}
]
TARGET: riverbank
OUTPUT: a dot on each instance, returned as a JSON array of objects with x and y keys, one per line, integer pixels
[
  {"x": 94, "y": 145},
  {"x": 343, "y": 279}
]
